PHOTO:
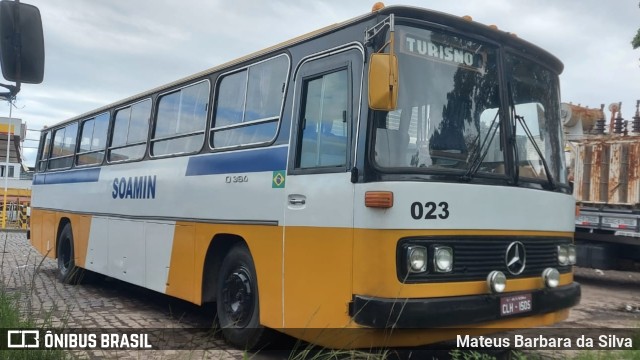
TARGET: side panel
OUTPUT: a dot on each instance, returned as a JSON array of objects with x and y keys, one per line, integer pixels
[
  {"x": 617, "y": 183},
  {"x": 599, "y": 167},
  {"x": 159, "y": 243},
  {"x": 49, "y": 233},
  {"x": 158, "y": 238},
  {"x": 81, "y": 225},
  {"x": 36, "y": 225},
  {"x": 634, "y": 172},
  {"x": 180, "y": 281},
  {"x": 607, "y": 172},
  {"x": 97, "y": 253},
  {"x": 126, "y": 248}
]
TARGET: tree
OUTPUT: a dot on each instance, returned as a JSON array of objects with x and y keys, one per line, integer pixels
[{"x": 636, "y": 40}]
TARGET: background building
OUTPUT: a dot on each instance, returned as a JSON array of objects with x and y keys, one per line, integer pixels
[{"x": 18, "y": 178}]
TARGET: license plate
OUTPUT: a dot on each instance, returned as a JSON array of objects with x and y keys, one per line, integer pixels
[
  {"x": 515, "y": 304},
  {"x": 620, "y": 223},
  {"x": 587, "y": 220}
]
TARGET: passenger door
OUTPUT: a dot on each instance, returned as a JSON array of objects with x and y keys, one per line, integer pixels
[{"x": 319, "y": 192}]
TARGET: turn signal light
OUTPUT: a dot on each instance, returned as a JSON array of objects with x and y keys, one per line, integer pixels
[{"x": 378, "y": 199}]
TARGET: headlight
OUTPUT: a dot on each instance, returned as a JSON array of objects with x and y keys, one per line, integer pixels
[
  {"x": 497, "y": 281},
  {"x": 563, "y": 255},
  {"x": 443, "y": 259},
  {"x": 417, "y": 259},
  {"x": 551, "y": 277},
  {"x": 572, "y": 254}
]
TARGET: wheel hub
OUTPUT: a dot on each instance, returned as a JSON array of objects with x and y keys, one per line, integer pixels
[{"x": 238, "y": 297}]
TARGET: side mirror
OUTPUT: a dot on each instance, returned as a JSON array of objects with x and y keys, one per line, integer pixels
[
  {"x": 383, "y": 82},
  {"x": 21, "y": 43}
]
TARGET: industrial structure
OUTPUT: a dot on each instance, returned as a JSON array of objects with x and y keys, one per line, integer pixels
[{"x": 604, "y": 156}]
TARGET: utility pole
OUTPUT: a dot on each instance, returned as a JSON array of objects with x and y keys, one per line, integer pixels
[{"x": 6, "y": 168}]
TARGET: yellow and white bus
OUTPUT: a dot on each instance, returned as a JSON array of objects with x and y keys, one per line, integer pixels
[{"x": 389, "y": 176}]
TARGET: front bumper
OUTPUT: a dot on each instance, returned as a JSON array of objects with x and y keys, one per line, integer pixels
[{"x": 452, "y": 311}]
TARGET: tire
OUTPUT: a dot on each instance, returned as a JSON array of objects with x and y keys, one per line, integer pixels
[
  {"x": 238, "y": 304},
  {"x": 68, "y": 272}
]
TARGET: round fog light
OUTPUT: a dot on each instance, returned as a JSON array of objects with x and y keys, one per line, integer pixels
[
  {"x": 443, "y": 258},
  {"x": 497, "y": 281},
  {"x": 417, "y": 259},
  {"x": 551, "y": 277}
]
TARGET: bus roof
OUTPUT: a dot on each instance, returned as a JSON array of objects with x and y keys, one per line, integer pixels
[{"x": 399, "y": 10}]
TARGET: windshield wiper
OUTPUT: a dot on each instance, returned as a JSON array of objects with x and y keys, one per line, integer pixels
[
  {"x": 479, "y": 153},
  {"x": 520, "y": 119}
]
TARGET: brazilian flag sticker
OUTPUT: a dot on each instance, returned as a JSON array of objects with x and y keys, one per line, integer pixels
[{"x": 278, "y": 179}]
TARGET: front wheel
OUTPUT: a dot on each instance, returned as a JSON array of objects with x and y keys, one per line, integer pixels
[
  {"x": 68, "y": 272},
  {"x": 238, "y": 301}
]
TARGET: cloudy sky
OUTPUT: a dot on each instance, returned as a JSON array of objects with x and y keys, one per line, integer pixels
[{"x": 101, "y": 51}]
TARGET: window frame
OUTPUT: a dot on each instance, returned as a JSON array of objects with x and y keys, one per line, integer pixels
[
  {"x": 72, "y": 155},
  {"x": 104, "y": 149},
  {"x": 154, "y": 122},
  {"x": 7, "y": 170},
  {"x": 44, "y": 147},
  {"x": 212, "y": 129},
  {"x": 305, "y": 79},
  {"x": 319, "y": 64},
  {"x": 112, "y": 126}
]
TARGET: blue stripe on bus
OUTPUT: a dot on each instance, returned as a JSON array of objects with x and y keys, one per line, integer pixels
[
  {"x": 68, "y": 177},
  {"x": 233, "y": 162}
]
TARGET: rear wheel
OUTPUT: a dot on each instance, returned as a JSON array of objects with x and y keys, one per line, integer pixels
[
  {"x": 68, "y": 272},
  {"x": 238, "y": 303}
]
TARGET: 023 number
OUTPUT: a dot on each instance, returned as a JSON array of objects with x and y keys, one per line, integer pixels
[{"x": 430, "y": 210}]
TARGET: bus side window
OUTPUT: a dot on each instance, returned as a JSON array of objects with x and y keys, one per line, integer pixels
[
  {"x": 323, "y": 131},
  {"x": 248, "y": 104},
  {"x": 93, "y": 139},
  {"x": 181, "y": 120},
  {"x": 64, "y": 145},
  {"x": 129, "y": 134}
]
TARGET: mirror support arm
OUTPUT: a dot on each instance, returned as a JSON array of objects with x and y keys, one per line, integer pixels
[{"x": 13, "y": 91}]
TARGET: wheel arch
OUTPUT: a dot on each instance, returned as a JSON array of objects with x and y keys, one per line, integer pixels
[{"x": 218, "y": 248}]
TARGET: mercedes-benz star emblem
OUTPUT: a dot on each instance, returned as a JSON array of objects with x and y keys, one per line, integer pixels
[{"x": 515, "y": 258}]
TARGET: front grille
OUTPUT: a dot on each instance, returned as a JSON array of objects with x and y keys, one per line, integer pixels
[{"x": 474, "y": 257}]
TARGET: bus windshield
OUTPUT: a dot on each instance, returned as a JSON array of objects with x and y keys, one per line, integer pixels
[
  {"x": 535, "y": 98},
  {"x": 448, "y": 117},
  {"x": 447, "y": 106}
]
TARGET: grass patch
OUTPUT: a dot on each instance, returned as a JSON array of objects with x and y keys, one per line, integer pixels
[
  {"x": 10, "y": 318},
  {"x": 631, "y": 354},
  {"x": 608, "y": 355},
  {"x": 16, "y": 312}
]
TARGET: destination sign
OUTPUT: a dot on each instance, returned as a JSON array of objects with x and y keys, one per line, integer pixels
[{"x": 444, "y": 52}]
